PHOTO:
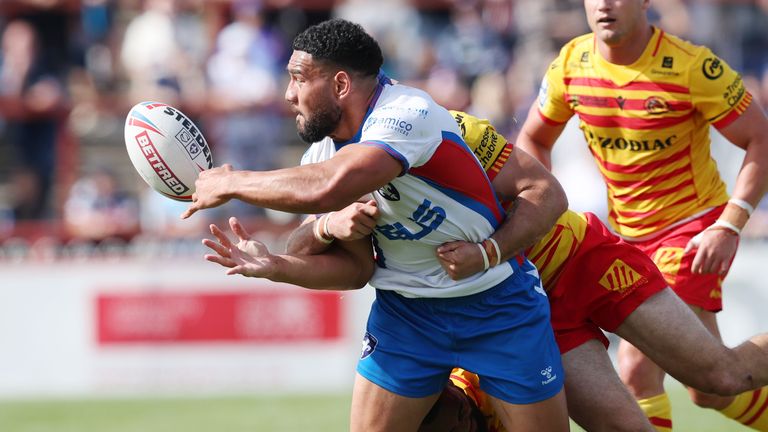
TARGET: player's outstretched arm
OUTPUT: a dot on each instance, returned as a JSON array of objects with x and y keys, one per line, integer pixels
[
  {"x": 352, "y": 172},
  {"x": 342, "y": 267}
]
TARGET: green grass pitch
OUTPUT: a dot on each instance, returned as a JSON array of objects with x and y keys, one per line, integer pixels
[{"x": 326, "y": 413}]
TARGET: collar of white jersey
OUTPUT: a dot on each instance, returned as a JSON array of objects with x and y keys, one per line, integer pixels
[{"x": 382, "y": 81}]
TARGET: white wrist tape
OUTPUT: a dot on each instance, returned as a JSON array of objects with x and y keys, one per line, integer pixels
[
  {"x": 743, "y": 204},
  {"x": 486, "y": 265},
  {"x": 498, "y": 251},
  {"x": 325, "y": 227},
  {"x": 725, "y": 224},
  {"x": 318, "y": 228}
]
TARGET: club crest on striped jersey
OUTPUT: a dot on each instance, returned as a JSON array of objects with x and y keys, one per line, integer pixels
[{"x": 655, "y": 105}]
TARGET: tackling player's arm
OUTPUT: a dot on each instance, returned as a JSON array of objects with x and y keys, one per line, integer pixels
[
  {"x": 316, "y": 233},
  {"x": 352, "y": 172},
  {"x": 342, "y": 266},
  {"x": 538, "y": 200}
]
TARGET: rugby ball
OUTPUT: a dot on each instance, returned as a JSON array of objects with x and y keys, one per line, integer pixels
[{"x": 166, "y": 148}]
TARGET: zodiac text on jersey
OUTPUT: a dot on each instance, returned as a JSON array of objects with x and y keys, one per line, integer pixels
[{"x": 426, "y": 216}]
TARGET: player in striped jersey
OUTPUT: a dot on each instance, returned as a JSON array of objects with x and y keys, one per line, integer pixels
[
  {"x": 645, "y": 101},
  {"x": 588, "y": 289}
]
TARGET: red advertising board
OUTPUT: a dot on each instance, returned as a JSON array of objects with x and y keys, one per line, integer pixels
[{"x": 189, "y": 317}]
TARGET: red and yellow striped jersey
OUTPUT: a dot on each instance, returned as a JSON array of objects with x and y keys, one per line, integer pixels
[
  {"x": 647, "y": 125},
  {"x": 551, "y": 252}
]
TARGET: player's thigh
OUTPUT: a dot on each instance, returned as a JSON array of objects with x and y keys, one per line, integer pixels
[
  {"x": 671, "y": 335},
  {"x": 377, "y": 409},
  {"x": 549, "y": 415},
  {"x": 597, "y": 399}
]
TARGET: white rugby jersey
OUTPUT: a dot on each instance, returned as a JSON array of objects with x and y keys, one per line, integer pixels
[{"x": 442, "y": 194}]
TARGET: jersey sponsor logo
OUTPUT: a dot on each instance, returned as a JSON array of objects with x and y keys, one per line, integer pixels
[
  {"x": 428, "y": 219},
  {"x": 369, "y": 345},
  {"x": 548, "y": 375},
  {"x": 488, "y": 147},
  {"x": 158, "y": 164},
  {"x": 621, "y": 277},
  {"x": 421, "y": 112},
  {"x": 655, "y": 105},
  {"x": 735, "y": 91},
  {"x": 389, "y": 192},
  {"x": 594, "y": 101},
  {"x": 712, "y": 68},
  {"x": 664, "y": 72},
  {"x": 621, "y": 143},
  {"x": 667, "y": 62},
  {"x": 392, "y": 123}
]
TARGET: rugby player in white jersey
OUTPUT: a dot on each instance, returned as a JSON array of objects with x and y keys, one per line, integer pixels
[{"x": 395, "y": 143}]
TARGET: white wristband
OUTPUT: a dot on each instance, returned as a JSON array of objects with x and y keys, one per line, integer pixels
[
  {"x": 725, "y": 224},
  {"x": 325, "y": 227},
  {"x": 316, "y": 230},
  {"x": 486, "y": 265},
  {"x": 498, "y": 251},
  {"x": 743, "y": 204}
]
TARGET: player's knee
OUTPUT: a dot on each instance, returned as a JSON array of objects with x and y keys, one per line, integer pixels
[
  {"x": 707, "y": 400},
  {"x": 721, "y": 379}
]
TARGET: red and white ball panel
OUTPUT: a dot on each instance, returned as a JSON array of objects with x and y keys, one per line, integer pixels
[{"x": 166, "y": 148}]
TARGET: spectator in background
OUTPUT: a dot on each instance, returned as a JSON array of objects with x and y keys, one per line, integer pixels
[
  {"x": 97, "y": 209},
  {"x": 409, "y": 55},
  {"x": 245, "y": 96},
  {"x": 33, "y": 105},
  {"x": 157, "y": 64}
]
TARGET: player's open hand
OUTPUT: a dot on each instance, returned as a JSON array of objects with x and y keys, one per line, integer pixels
[
  {"x": 210, "y": 189},
  {"x": 715, "y": 249},
  {"x": 247, "y": 257},
  {"x": 460, "y": 259},
  {"x": 354, "y": 221}
]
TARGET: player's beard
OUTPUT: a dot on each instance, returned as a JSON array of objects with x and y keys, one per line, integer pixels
[{"x": 320, "y": 123}]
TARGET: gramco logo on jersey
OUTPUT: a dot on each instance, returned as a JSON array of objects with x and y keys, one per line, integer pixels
[
  {"x": 396, "y": 124},
  {"x": 620, "y": 143}
]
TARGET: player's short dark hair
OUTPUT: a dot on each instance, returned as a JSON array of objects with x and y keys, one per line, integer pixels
[{"x": 343, "y": 44}]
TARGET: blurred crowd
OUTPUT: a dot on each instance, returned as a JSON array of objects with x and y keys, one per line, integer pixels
[{"x": 71, "y": 69}]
